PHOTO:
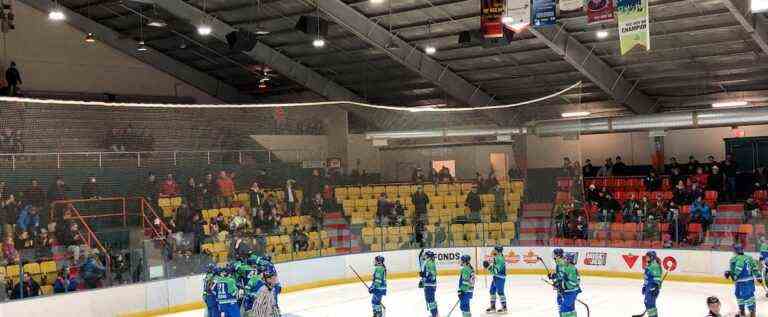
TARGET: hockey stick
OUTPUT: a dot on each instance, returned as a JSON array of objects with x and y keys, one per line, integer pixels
[
  {"x": 578, "y": 300},
  {"x": 661, "y": 283},
  {"x": 453, "y": 308},
  {"x": 365, "y": 284}
]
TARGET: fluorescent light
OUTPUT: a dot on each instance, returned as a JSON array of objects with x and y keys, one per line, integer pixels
[
  {"x": 204, "y": 29},
  {"x": 261, "y": 32},
  {"x": 158, "y": 23},
  {"x": 575, "y": 114},
  {"x": 602, "y": 33},
  {"x": 430, "y": 50},
  {"x": 90, "y": 38},
  {"x": 141, "y": 47},
  {"x": 377, "y": 1},
  {"x": 759, "y": 6},
  {"x": 318, "y": 42},
  {"x": 56, "y": 15},
  {"x": 726, "y": 104},
  {"x": 519, "y": 26}
]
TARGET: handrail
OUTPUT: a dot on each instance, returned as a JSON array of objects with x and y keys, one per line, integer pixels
[
  {"x": 93, "y": 237},
  {"x": 144, "y": 202},
  {"x": 91, "y": 200}
]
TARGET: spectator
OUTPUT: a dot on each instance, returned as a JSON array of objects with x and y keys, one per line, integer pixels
[
  {"x": 151, "y": 188},
  {"x": 730, "y": 170},
  {"x": 491, "y": 181},
  {"x": 440, "y": 235},
  {"x": 329, "y": 199},
  {"x": 680, "y": 194},
  {"x": 646, "y": 207},
  {"x": 651, "y": 229},
  {"x": 169, "y": 188},
  {"x": 226, "y": 189},
  {"x": 607, "y": 169},
  {"x": 10, "y": 254},
  {"x": 672, "y": 212},
  {"x": 619, "y": 168},
  {"x": 701, "y": 213},
  {"x": 652, "y": 182},
  {"x": 192, "y": 194},
  {"x": 659, "y": 208},
  {"x": 90, "y": 189},
  {"x": 499, "y": 204},
  {"x": 580, "y": 228},
  {"x": 317, "y": 211},
  {"x": 290, "y": 198},
  {"x": 760, "y": 176},
  {"x": 314, "y": 185},
  {"x": 678, "y": 225},
  {"x": 480, "y": 182},
  {"x": 420, "y": 202},
  {"x": 64, "y": 283},
  {"x": 709, "y": 164},
  {"x": 433, "y": 176},
  {"x": 9, "y": 209},
  {"x": 751, "y": 210},
  {"x": 58, "y": 190},
  {"x": 13, "y": 79},
  {"x": 257, "y": 199},
  {"x": 716, "y": 181},
  {"x": 608, "y": 209},
  {"x": 29, "y": 219},
  {"x": 588, "y": 170},
  {"x": 93, "y": 270},
  {"x": 567, "y": 168},
  {"x": 700, "y": 177},
  {"x": 474, "y": 204},
  {"x": 692, "y": 165},
  {"x": 592, "y": 194},
  {"x": 418, "y": 176},
  {"x": 673, "y": 164},
  {"x": 514, "y": 173},
  {"x": 677, "y": 176},
  {"x": 34, "y": 194},
  {"x": 696, "y": 191},
  {"x": 73, "y": 240},
  {"x": 383, "y": 209},
  {"x": 299, "y": 239},
  {"x": 713, "y": 304},
  {"x": 26, "y": 288},
  {"x": 631, "y": 211},
  {"x": 445, "y": 175},
  {"x": 240, "y": 221},
  {"x": 210, "y": 191}
]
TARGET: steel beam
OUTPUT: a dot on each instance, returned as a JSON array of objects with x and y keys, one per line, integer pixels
[
  {"x": 158, "y": 60},
  {"x": 401, "y": 51},
  {"x": 263, "y": 53},
  {"x": 594, "y": 68},
  {"x": 755, "y": 25}
]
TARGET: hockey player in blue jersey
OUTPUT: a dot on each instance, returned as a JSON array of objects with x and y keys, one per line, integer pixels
[
  {"x": 652, "y": 283},
  {"x": 226, "y": 291},
  {"x": 743, "y": 271},
  {"x": 378, "y": 287},
  {"x": 209, "y": 297},
  {"x": 497, "y": 266},
  {"x": 466, "y": 285},
  {"x": 567, "y": 282},
  {"x": 428, "y": 281},
  {"x": 762, "y": 247}
]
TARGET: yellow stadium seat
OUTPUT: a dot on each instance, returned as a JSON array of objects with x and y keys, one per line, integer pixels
[
  {"x": 49, "y": 269},
  {"x": 443, "y": 188},
  {"x": 366, "y": 192},
  {"x": 354, "y": 192},
  {"x": 164, "y": 202},
  {"x": 341, "y": 193},
  {"x": 12, "y": 271},
  {"x": 404, "y": 190},
  {"x": 429, "y": 189},
  {"x": 361, "y": 203},
  {"x": 46, "y": 289},
  {"x": 437, "y": 200},
  {"x": 372, "y": 203},
  {"x": 175, "y": 202},
  {"x": 457, "y": 228}
]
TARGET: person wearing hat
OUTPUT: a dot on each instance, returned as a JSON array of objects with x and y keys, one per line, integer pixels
[{"x": 713, "y": 304}]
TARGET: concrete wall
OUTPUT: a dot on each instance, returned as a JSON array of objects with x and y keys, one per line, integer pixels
[
  {"x": 363, "y": 155},
  {"x": 52, "y": 56},
  {"x": 286, "y": 147},
  {"x": 397, "y": 164}
]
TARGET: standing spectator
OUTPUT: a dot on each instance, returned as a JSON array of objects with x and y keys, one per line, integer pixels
[
  {"x": 29, "y": 219},
  {"x": 420, "y": 202},
  {"x": 730, "y": 170},
  {"x": 290, "y": 198},
  {"x": 34, "y": 194},
  {"x": 93, "y": 270},
  {"x": 210, "y": 191},
  {"x": 631, "y": 211},
  {"x": 709, "y": 164},
  {"x": 751, "y": 210},
  {"x": 474, "y": 204},
  {"x": 314, "y": 185},
  {"x": 169, "y": 188},
  {"x": 193, "y": 194},
  {"x": 58, "y": 190},
  {"x": 9, "y": 209},
  {"x": 10, "y": 254},
  {"x": 619, "y": 168},
  {"x": 90, "y": 190},
  {"x": 383, "y": 209},
  {"x": 440, "y": 235},
  {"x": 13, "y": 78},
  {"x": 318, "y": 212},
  {"x": 226, "y": 189},
  {"x": 699, "y": 177},
  {"x": 26, "y": 288},
  {"x": 514, "y": 173},
  {"x": 492, "y": 181},
  {"x": 418, "y": 176},
  {"x": 607, "y": 169},
  {"x": 580, "y": 228},
  {"x": 499, "y": 204},
  {"x": 433, "y": 175},
  {"x": 716, "y": 181},
  {"x": 445, "y": 175},
  {"x": 608, "y": 209},
  {"x": 673, "y": 164},
  {"x": 680, "y": 194},
  {"x": 652, "y": 182},
  {"x": 702, "y": 213},
  {"x": 257, "y": 199},
  {"x": 588, "y": 170},
  {"x": 298, "y": 239},
  {"x": 692, "y": 165},
  {"x": 677, "y": 176},
  {"x": 567, "y": 168},
  {"x": 151, "y": 188}
]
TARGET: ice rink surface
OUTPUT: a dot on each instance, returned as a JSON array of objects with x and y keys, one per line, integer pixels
[{"x": 527, "y": 296}]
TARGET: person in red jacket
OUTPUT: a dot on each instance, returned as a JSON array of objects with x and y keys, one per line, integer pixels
[
  {"x": 169, "y": 188},
  {"x": 226, "y": 189}
]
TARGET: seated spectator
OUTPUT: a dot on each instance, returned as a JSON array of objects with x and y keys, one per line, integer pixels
[
  {"x": 672, "y": 212},
  {"x": 652, "y": 182},
  {"x": 651, "y": 229},
  {"x": 681, "y": 195},
  {"x": 10, "y": 255},
  {"x": 701, "y": 213},
  {"x": 592, "y": 194},
  {"x": 699, "y": 178},
  {"x": 169, "y": 188},
  {"x": 240, "y": 221},
  {"x": 73, "y": 240},
  {"x": 440, "y": 235},
  {"x": 299, "y": 239},
  {"x": 659, "y": 208},
  {"x": 272, "y": 221},
  {"x": 696, "y": 191},
  {"x": 692, "y": 165},
  {"x": 716, "y": 181},
  {"x": 29, "y": 219},
  {"x": 588, "y": 170},
  {"x": 608, "y": 209},
  {"x": 751, "y": 210},
  {"x": 631, "y": 211},
  {"x": 24, "y": 241},
  {"x": 580, "y": 228},
  {"x": 26, "y": 288},
  {"x": 34, "y": 195},
  {"x": 677, "y": 176},
  {"x": 90, "y": 189},
  {"x": 65, "y": 282},
  {"x": 93, "y": 270},
  {"x": 45, "y": 244},
  {"x": 619, "y": 168}
]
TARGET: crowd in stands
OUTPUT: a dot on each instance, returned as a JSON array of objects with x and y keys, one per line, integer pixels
[
  {"x": 129, "y": 139},
  {"x": 11, "y": 141}
]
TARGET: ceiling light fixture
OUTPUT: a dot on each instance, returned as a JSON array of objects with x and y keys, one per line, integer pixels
[
  {"x": 575, "y": 114},
  {"x": 602, "y": 33},
  {"x": 204, "y": 29},
  {"x": 141, "y": 47},
  {"x": 430, "y": 50},
  {"x": 318, "y": 42},
  {"x": 90, "y": 38},
  {"x": 158, "y": 23},
  {"x": 377, "y": 1},
  {"x": 56, "y": 15},
  {"x": 726, "y": 104}
]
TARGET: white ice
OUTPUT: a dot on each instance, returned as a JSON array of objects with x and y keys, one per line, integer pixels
[{"x": 527, "y": 295}]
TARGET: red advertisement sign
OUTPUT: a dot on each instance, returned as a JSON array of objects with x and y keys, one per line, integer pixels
[
  {"x": 490, "y": 18},
  {"x": 600, "y": 11}
]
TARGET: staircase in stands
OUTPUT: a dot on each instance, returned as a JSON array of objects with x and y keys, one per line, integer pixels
[
  {"x": 340, "y": 234},
  {"x": 723, "y": 231},
  {"x": 535, "y": 224}
]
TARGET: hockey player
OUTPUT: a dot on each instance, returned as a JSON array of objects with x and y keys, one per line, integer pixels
[
  {"x": 226, "y": 293},
  {"x": 744, "y": 272},
  {"x": 259, "y": 301},
  {"x": 497, "y": 266},
  {"x": 209, "y": 297},
  {"x": 378, "y": 287},
  {"x": 428, "y": 281},
  {"x": 243, "y": 270},
  {"x": 567, "y": 282},
  {"x": 763, "y": 249},
  {"x": 558, "y": 255},
  {"x": 652, "y": 283},
  {"x": 466, "y": 285}
]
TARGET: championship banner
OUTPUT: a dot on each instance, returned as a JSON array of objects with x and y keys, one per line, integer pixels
[
  {"x": 570, "y": 5},
  {"x": 518, "y": 13},
  {"x": 633, "y": 25},
  {"x": 544, "y": 12},
  {"x": 490, "y": 18},
  {"x": 600, "y": 11}
]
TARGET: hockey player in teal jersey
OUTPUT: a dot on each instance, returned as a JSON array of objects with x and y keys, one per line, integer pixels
[
  {"x": 243, "y": 270},
  {"x": 259, "y": 300},
  {"x": 762, "y": 247},
  {"x": 559, "y": 257},
  {"x": 209, "y": 297},
  {"x": 743, "y": 272},
  {"x": 428, "y": 281},
  {"x": 567, "y": 282},
  {"x": 225, "y": 288},
  {"x": 378, "y": 287},
  {"x": 466, "y": 285},
  {"x": 498, "y": 268},
  {"x": 652, "y": 283}
]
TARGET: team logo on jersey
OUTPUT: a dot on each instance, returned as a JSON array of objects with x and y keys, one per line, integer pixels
[
  {"x": 531, "y": 257},
  {"x": 596, "y": 258},
  {"x": 630, "y": 259}
]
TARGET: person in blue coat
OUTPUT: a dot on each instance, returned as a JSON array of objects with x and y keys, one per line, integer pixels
[{"x": 209, "y": 295}]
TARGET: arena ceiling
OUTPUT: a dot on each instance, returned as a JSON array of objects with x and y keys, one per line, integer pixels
[{"x": 702, "y": 50}]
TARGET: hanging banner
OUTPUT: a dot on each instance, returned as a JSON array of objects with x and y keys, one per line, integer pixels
[
  {"x": 633, "y": 25},
  {"x": 600, "y": 11},
  {"x": 570, "y": 5},
  {"x": 490, "y": 18},
  {"x": 518, "y": 14},
  {"x": 544, "y": 12}
]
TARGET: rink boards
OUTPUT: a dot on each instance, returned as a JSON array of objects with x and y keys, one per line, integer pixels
[{"x": 181, "y": 294}]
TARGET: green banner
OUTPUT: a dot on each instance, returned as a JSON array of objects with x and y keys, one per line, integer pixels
[{"x": 634, "y": 29}]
